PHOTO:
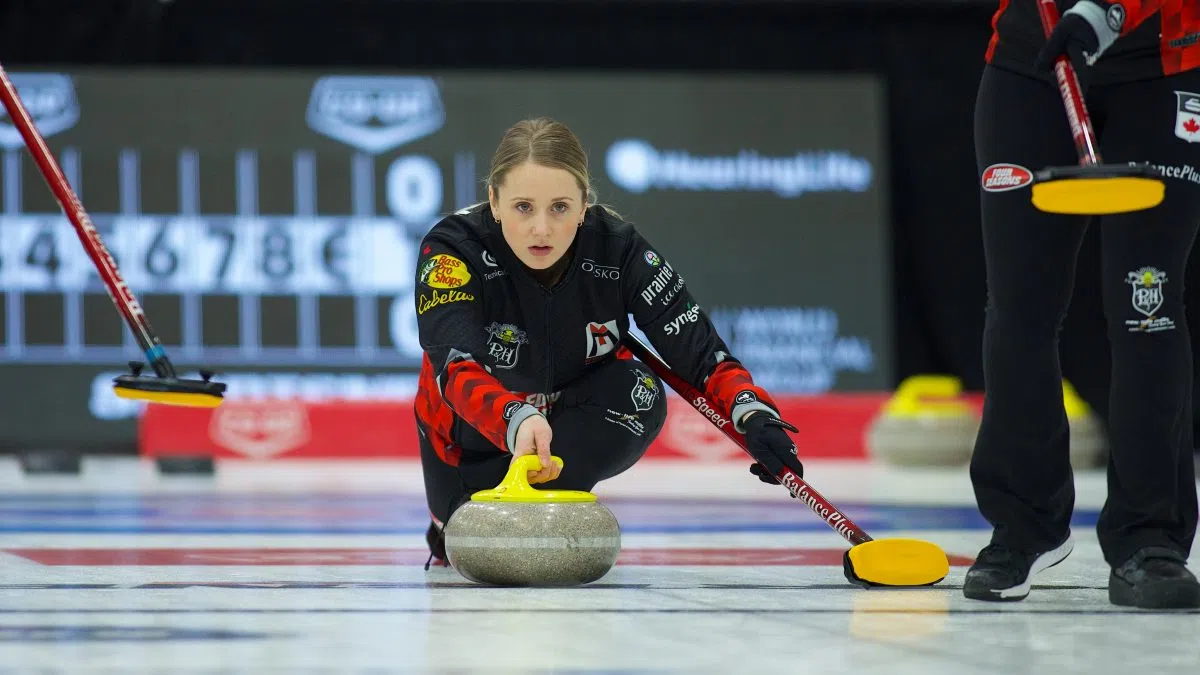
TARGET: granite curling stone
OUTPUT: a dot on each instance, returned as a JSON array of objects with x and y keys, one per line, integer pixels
[
  {"x": 1088, "y": 438},
  {"x": 516, "y": 535},
  {"x": 925, "y": 423}
]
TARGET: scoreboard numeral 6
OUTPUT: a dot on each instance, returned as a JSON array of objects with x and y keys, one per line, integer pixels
[{"x": 161, "y": 260}]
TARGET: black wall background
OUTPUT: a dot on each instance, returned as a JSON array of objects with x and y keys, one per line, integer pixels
[{"x": 930, "y": 53}]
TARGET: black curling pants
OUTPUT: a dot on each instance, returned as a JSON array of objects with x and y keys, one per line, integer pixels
[
  {"x": 1020, "y": 468},
  {"x": 600, "y": 429}
]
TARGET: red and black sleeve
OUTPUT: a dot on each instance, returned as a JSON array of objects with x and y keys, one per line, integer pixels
[
  {"x": 450, "y": 323},
  {"x": 1137, "y": 11},
  {"x": 657, "y": 296}
]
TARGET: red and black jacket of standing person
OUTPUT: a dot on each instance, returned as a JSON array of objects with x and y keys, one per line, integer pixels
[{"x": 1151, "y": 38}]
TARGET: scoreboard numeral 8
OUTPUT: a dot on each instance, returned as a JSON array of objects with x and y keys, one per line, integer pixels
[{"x": 278, "y": 261}]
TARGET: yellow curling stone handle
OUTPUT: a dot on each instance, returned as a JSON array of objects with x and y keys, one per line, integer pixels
[
  {"x": 516, "y": 488},
  {"x": 928, "y": 396}
]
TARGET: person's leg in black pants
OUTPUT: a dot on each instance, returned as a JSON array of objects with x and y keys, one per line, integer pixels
[
  {"x": 1151, "y": 505},
  {"x": 1020, "y": 468},
  {"x": 602, "y": 425},
  {"x": 604, "y": 422}
]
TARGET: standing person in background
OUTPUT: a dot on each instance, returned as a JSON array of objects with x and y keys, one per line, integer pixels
[{"x": 1138, "y": 61}]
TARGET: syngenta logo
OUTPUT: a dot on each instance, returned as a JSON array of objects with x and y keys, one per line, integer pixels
[
  {"x": 49, "y": 99},
  {"x": 637, "y": 166},
  {"x": 689, "y": 315},
  {"x": 375, "y": 114}
]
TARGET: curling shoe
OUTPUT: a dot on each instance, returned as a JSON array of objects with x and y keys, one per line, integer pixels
[
  {"x": 1154, "y": 578},
  {"x": 437, "y": 545},
  {"x": 1002, "y": 574}
]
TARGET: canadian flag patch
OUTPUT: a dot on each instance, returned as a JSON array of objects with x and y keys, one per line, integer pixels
[{"x": 1187, "y": 116}]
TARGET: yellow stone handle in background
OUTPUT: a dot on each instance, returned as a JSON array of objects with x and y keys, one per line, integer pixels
[
  {"x": 917, "y": 395},
  {"x": 1075, "y": 406},
  {"x": 516, "y": 488}
]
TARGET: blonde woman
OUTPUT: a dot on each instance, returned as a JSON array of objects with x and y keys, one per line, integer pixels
[{"x": 521, "y": 303}]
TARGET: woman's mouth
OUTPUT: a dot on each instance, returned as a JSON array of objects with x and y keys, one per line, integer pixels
[{"x": 541, "y": 250}]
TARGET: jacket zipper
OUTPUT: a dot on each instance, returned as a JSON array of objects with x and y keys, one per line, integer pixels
[{"x": 549, "y": 351}]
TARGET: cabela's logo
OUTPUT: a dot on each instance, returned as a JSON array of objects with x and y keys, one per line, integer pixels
[{"x": 424, "y": 304}]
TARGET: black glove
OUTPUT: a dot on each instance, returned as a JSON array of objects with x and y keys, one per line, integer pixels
[
  {"x": 770, "y": 445},
  {"x": 1083, "y": 33}
]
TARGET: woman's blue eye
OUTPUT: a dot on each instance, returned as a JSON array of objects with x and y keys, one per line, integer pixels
[{"x": 560, "y": 207}]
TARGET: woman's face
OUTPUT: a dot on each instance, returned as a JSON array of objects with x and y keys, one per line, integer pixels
[{"x": 539, "y": 209}]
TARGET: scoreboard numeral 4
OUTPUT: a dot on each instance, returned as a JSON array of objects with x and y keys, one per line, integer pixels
[{"x": 43, "y": 252}]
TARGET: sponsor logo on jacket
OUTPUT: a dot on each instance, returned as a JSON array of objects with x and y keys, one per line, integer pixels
[
  {"x": 511, "y": 409},
  {"x": 600, "y": 271},
  {"x": 602, "y": 338},
  {"x": 436, "y": 299},
  {"x": 631, "y": 422},
  {"x": 644, "y": 392},
  {"x": 444, "y": 271},
  {"x": 689, "y": 315},
  {"x": 490, "y": 261},
  {"x": 504, "y": 346},
  {"x": 745, "y": 397},
  {"x": 659, "y": 283}
]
